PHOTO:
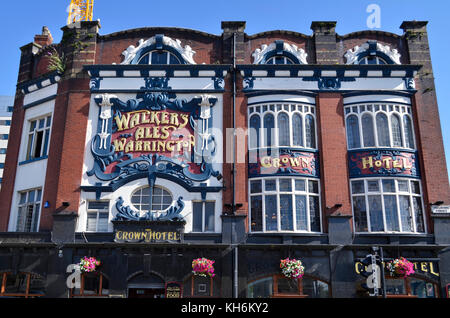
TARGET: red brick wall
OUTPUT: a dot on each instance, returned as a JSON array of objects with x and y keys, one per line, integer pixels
[
  {"x": 67, "y": 147},
  {"x": 9, "y": 172},
  {"x": 207, "y": 47},
  {"x": 333, "y": 153}
]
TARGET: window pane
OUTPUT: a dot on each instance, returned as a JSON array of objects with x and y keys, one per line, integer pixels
[
  {"x": 16, "y": 284},
  {"x": 103, "y": 222},
  {"x": 405, "y": 213},
  {"x": 262, "y": 288},
  {"x": 314, "y": 213},
  {"x": 358, "y": 187},
  {"x": 285, "y": 185},
  {"x": 300, "y": 213},
  {"x": 283, "y": 130},
  {"x": 91, "y": 222},
  {"x": 315, "y": 288},
  {"x": 300, "y": 185},
  {"x": 209, "y": 216},
  {"x": 269, "y": 125},
  {"x": 388, "y": 186},
  {"x": 353, "y": 132},
  {"x": 390, "y": 208},
  {"x": 359, "y": 211},
  {"x": 197, "y": 216},
  {"x": 174, "y": 59},
  {"x": 415, "y": 187},
  {"x": 422, "y": 289},
  {"x": 403, "y": 185},
  {"x": 297, "y": 127},
  {"x": 418, "y": 213},
  {"x": 313, "y": 186},
  {"x": 287, "y": 286},
  {"x": 395, "y": 286},
  {"x": 97, "y": 205},
  {"x": 38, "y": 144},
  {"x": 271, "y": 185},
  {"x": 383, "y": 130},
  {"x": 376, "y": 213},
  {"x": 256, "y": 212},
  {"x": 271, "y": 212},
  {"x": 159, "y": 57},
  {"x": 287, "y": 223},
  {"x": 256, "y": 186},
  {"x": 409, "y": 138},
  {"x": 368, "y": 131},
  {"x": 373, "y": 186},
  {"x": 144, "y": 59},
  {"x": 310, "y": 132},
  {"x": 255, "y": 125},
  {"x": 397, "y": 139}
]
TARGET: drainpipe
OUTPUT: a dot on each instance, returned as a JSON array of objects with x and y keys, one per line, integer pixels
[{"x": 235, "y": 248}]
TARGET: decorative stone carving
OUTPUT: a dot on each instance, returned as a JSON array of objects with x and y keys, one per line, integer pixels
[
  {"x": 352, "y": 55},
  {"x": 299, "y": 53},
  {"x": 187, "y": 53}
]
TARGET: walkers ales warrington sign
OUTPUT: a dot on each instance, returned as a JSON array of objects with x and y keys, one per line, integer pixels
[{"x": 148, "y": 232}]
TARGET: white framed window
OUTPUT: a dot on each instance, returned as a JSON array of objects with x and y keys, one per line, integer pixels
[
  {"x": 379, "y": 125},
  {"x": 285, "y": 204},
  {"x": 279, "y": 60},
  {"x": 282, "y": 125},
  {"x": 155, "y": 199},
  {"x": 29, "y": 209},
  {"x": 203, "y": 216},
  {"x": 38, "y": 137},
  {"x": 392, "y": 205},
  {"x": 97, "y": 216},
  {"x": 159, "y": 57},
  {"x": 372, "y": 60}
]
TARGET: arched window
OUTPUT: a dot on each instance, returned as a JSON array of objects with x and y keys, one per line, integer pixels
[
  {"x": 269, "y": 125},
  {"x": 279, "y": 60},
  {"x": 159, "y": 57},
  {"x": 160, "y": 200},
  {"x": 255, "y": 126},
  {"x": 409, "y": 137},
  {"x": 283, "y": 130},
  {"x": 353, "y": 132},
  {"x": 297, "y": 127},
  {"x": 310, "y": 132},
  {"x": 383, "y": 130},
  {"x": 372, "y": 60},
  {"x": 397, "y": 139},
  {"x": 368, "y": 131}
]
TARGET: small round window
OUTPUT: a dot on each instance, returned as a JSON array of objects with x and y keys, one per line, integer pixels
[{"x": 161, "y": 199}]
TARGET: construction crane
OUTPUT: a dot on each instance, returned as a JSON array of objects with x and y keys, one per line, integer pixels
[{"x": 80, "y": 10}]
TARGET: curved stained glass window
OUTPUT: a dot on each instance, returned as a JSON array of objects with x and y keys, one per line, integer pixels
[
  {"x": 255, "y": 126},
  {"x": 409, "y": 137},
  {"x": 283, "y": 130},
  {"x": 353, "y": 132},
  {"x": 310, "y": 132},
  {"x": 269, "y": 126},
  {"x": 397, "y": 139},
  {"x": 297, "y": 130},
  {"x": 383, "y": 130},
  {"x": 368, "y": 131}
]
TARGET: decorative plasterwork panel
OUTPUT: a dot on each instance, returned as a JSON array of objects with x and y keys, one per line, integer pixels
[
  {"x": 260, "y": 53},
  {"x": 186, "y": 52},
  {"x": 353, "y": 55}
]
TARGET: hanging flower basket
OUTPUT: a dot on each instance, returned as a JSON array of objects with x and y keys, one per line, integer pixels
[
  {"x": 203, "y": 267},
  {"x": 292, "y": 268},
  {"x": 89, "y": 264},
  {"x": 400, "y": 267}
]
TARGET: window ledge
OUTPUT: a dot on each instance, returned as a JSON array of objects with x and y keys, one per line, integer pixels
[{"x": 32, "y": 160}]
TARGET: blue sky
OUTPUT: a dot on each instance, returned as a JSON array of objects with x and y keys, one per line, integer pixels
[{"x": 20, "y": 20}]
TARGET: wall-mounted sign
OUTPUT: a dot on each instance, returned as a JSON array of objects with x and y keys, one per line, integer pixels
[
  {"x": 441, "y": 209},
  {"x": 148, "y": 232},
  {"x": 425, "y": 268},
  {"x": 283, "y": 162},
  {"x": 174, "y": 290},
  {"x": 383, "y": 163},
  {"x": 154, "y": 135}
]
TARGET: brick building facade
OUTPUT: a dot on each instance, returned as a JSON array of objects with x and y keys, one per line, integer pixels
[{"x": 125, "y": 153}]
